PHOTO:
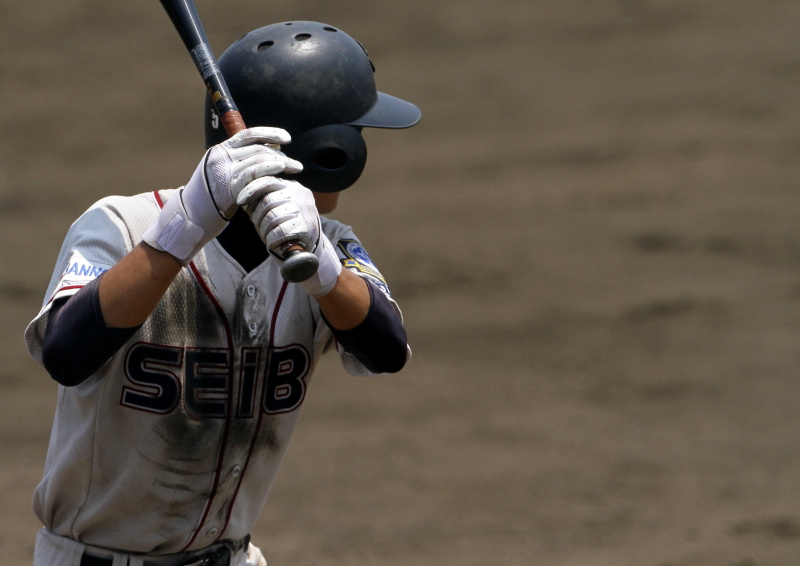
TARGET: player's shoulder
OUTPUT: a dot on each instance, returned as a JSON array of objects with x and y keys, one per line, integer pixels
[
  {"x": 127, "y": 205},
  {"x": 336, "y": 230},
  {"x": 133, "y": 213},
  {"x": 351, "y": 252}
]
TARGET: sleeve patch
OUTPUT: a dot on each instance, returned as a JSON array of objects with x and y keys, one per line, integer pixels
[
  {"x": 355, "y": 258},
  {"x": 79, "y": 272}
]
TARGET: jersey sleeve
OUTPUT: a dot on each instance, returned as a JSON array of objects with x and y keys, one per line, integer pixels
[
  {"x": 354, "y": 257},
  {"x": 94, "y": 243}
]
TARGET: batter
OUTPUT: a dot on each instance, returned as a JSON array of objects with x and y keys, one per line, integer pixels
[{"x": 183, "y": 357}]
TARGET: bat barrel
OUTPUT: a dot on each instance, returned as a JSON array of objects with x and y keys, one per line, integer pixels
[{"x": 186, "y": 20}]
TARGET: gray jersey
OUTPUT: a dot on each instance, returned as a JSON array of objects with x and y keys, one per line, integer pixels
[{"x": 175, "y": 442}]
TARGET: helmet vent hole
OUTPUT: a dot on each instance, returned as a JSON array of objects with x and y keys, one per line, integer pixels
[
  {"x": 330, "y": 29},
  {"x": 302, "y": 36},
  {"x": 265, "y": 45},
  {"x": 330, "y": 158},
  {"x": 288, "y": 23}
]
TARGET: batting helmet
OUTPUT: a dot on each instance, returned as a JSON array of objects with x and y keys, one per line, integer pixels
[{"x": 317, "y": 82}]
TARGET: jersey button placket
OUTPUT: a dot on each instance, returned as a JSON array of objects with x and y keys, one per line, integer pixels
[
  {"x": 212, "y": 531},
  {"x": 250, "y": 291},
  {"x": 235, "y": 471}
]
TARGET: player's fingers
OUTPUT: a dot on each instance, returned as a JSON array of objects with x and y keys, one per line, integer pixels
[
  {"x": 259, "y": 135},
  {"x": 254, "y": 168},
  {"x": 273, "y": 158},
  {"x": 292, "y": 166},
  {"x": 258, "y": 188},
  {"x": 269, "y": 224},
  {"x": 275, "y": 207},
  {"x": 293, "y": 228},
  {"x": 238, "y": 154}
]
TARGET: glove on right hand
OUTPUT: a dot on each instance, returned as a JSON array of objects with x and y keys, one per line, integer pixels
[
  {"x": 285, "y": 211},
  {"x": 282, "y": 211}
]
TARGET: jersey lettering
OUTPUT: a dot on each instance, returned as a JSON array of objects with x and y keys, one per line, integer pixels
[
  {"x": 157, "y": 388},
  {"x": 153, "y": 371},
  {"x": 247, "y": 381},
  {"x": 285, "y": 387},
  {"x": 206, "y": 380}
]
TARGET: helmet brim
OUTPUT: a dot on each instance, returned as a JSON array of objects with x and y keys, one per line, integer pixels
[{"x": 389, "y": 112}]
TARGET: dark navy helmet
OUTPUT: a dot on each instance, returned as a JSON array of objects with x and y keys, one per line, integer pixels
[{"x": 316, "y": 82}]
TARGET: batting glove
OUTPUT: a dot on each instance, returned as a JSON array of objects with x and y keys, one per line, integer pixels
[
  {"x": 285, "y": 211},
  {"x": 198, "y": 212}
]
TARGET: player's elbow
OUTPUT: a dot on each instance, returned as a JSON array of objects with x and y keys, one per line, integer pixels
[
  {"x": 394, "y": 353},
  {"x": 67, "y": 377},
  {"x": 385, "y": 352},
  {"x": 394, "y": 363},
  {"x": 77, "y": 341},
  {"x": 66, "y": 364}
]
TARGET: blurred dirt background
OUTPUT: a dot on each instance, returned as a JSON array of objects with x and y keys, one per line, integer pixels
[{"x": 594, "y": 234}]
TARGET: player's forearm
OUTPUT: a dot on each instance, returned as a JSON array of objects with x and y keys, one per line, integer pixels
[
  {"x": 131, "y": 289},
  {"x": 77, "y": 341},
  {"x": 347, "y": 304},
  {"x": 366, "y": 324}
]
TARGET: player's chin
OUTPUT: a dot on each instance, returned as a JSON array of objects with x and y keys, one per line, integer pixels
[{"x": 326, "y": 202}]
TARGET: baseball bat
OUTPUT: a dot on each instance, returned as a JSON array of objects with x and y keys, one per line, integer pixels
[{"x": 298, "y": 264}]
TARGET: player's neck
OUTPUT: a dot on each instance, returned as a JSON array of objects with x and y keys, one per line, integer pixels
[{"x": 240, "y": 239}]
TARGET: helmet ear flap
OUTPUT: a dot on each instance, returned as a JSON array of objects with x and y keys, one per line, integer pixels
[{"x": 333, "y": 157}]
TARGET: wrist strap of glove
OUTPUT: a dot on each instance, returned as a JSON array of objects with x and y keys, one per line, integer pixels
[
  {"x": 188, "y": 221},
  {"x": 329, "y": 269}
]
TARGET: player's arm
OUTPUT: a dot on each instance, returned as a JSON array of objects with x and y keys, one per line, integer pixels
[
  {"x": 360, "y": 316},
  {"x": 347, "y": 304},
  {"x": 129, "y": 291},
  {"x": 86, "y": 330},
  {"x": 80, "y": 336},
  {"x": 365, "y": 323}
]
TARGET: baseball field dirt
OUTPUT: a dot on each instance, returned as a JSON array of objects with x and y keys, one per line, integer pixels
[{"x": 594, "y": 234}]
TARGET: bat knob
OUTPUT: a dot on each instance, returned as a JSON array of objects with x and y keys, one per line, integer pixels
[{"x": 298, "y": 266}]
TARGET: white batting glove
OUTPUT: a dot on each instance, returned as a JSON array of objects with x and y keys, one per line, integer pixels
[
  {"x": 285, "y": 211},
  {"x": 198, "y": 212},
  {"x": 234, "y": 163}
]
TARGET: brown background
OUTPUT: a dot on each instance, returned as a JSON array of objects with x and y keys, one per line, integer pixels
[{"x": 593, "y": 233}]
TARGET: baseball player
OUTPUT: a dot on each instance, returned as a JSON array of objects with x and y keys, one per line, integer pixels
[{"x": 183, "y": 357}]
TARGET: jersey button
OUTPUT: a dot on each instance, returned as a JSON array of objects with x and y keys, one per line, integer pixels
[
  {"x": 235, "y": 471},
  {"x": 251, "y": 290},
  {"x": 253, "y": 327},
  {"x": 212, "y": 531}
]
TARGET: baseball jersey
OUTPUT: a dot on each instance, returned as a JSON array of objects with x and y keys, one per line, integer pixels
[{"x": 175, "y": 442}]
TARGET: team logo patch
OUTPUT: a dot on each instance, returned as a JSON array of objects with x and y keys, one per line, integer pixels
[{"x": 354, "y": 257}]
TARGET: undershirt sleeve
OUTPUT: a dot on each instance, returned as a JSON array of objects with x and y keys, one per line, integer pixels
[
  {"x": 77, "y": 341},
  {"x": 380, "y": 341}
]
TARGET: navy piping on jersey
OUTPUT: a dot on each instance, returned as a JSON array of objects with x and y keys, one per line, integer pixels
[
  {"x": 229, "y": 417},
  {"x": 229, "y": 339}
]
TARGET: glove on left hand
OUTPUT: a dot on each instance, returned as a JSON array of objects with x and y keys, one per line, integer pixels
[
  {"x": 284, "y": 211},
  {"x": 198, "y": 212}
]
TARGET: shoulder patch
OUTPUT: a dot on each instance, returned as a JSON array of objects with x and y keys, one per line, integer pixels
[
  {"x": 355, "y": 258},
  {"x": 79, "y": 272}
]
